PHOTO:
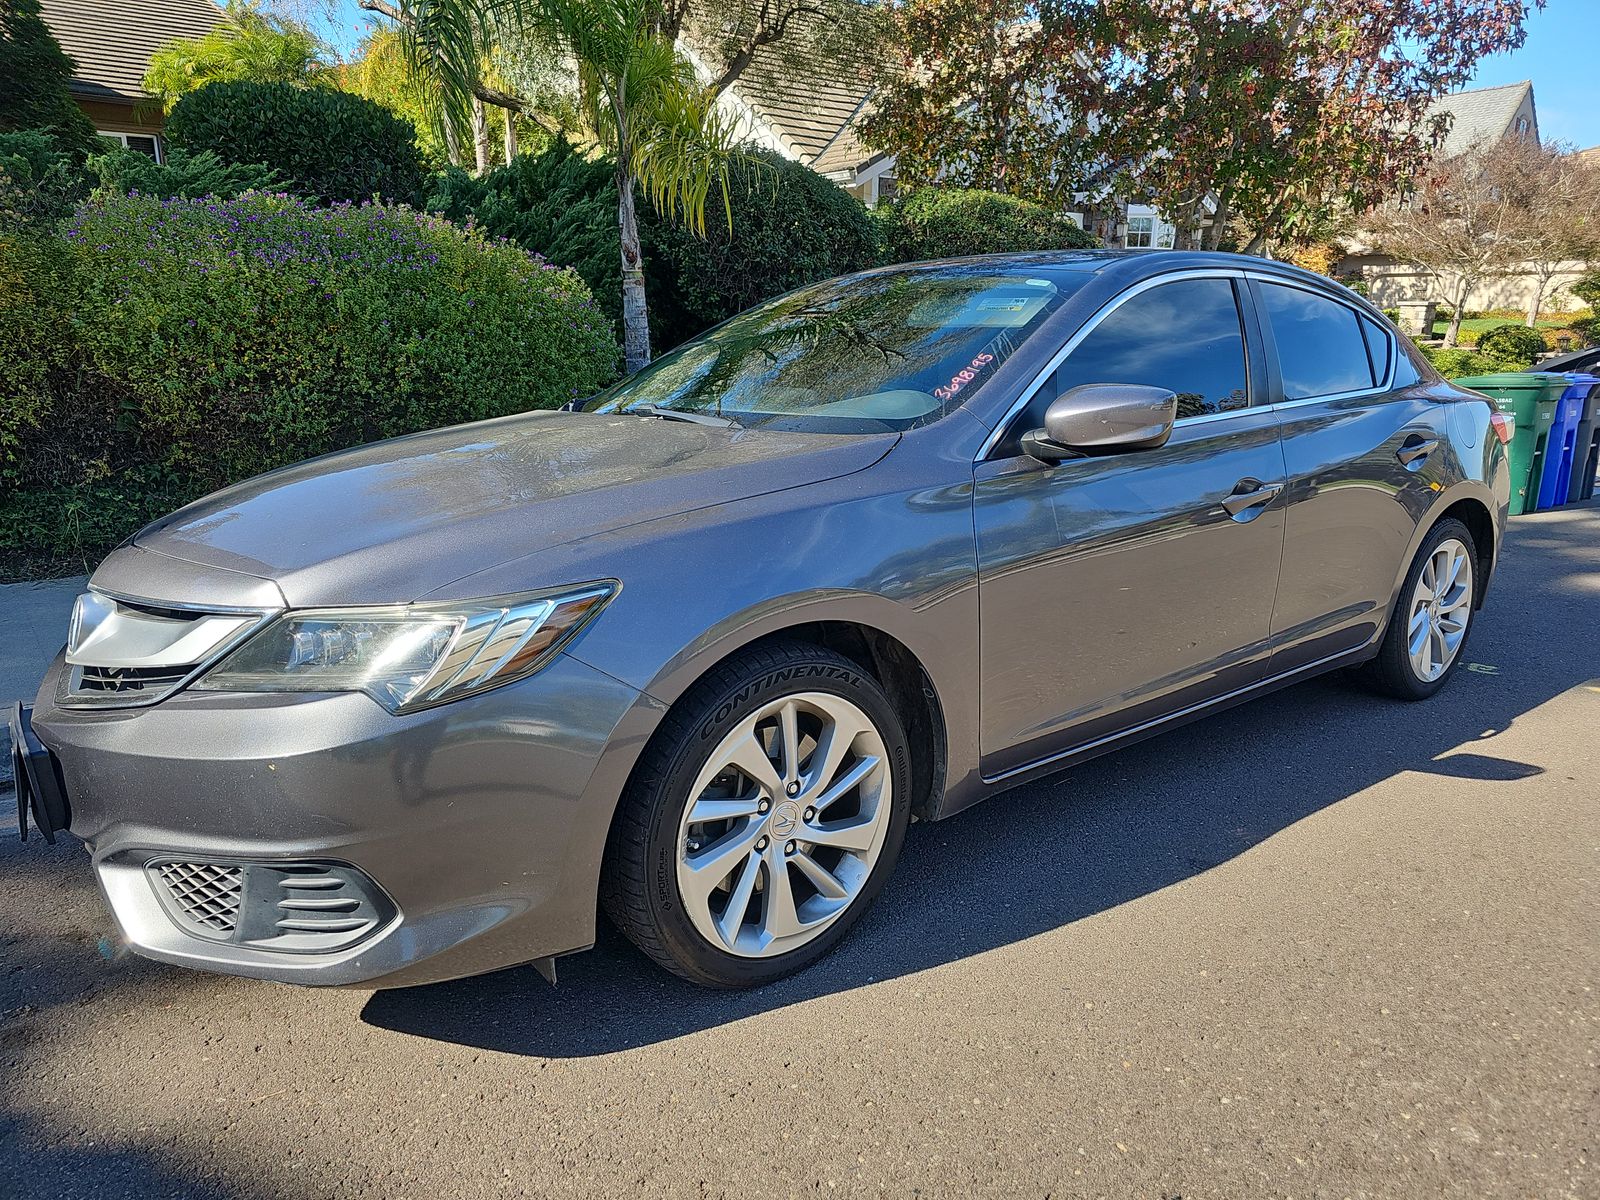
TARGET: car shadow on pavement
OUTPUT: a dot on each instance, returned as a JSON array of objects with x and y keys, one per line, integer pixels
[{"x": 1043, "y": 856}]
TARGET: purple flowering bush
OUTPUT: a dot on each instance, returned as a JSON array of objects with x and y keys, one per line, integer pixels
[
  {"x": 255, "y": 332},
  {"x": 204, "y": 341}
]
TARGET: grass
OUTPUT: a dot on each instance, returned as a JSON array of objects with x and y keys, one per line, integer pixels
[{"x": 1482, "y": 324}]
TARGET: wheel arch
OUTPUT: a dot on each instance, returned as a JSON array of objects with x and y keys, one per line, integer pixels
[
  {"x": 885, "y": 657},
  {"x": 1474, "y": 506}
]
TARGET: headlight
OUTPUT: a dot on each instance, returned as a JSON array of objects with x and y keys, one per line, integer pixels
[{"x": 413, "y": 656}]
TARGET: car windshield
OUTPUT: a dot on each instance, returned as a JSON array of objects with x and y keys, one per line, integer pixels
[{"x": 882, "y": 351}]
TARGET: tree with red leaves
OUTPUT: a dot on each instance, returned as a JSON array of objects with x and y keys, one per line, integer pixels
[{"x": 1269, "y": 115}]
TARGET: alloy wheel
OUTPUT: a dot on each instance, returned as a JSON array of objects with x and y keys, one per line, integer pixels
[
  {"x": 1441, "y": 606},
  {"x": 784, "y": 823}
]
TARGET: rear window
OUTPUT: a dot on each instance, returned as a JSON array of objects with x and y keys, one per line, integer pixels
[{"x": 1321, "y": 350}]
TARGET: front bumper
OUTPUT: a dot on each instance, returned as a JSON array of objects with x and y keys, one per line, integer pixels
[{"x": 479, "y": 825}]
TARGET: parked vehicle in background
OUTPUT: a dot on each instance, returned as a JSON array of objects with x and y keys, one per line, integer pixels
[{"x": 882, "y": 547}]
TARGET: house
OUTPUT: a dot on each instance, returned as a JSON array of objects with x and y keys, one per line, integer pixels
[
  {"x": 1477, "y": 116},
  {"x": 812, "y": 112},
  {"x": 112, "y": 41},
  {"x": 809, "y": 111}
]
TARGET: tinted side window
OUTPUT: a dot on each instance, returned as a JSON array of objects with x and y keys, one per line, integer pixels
[
  {"x": 1378, "y": 348},
  {"x": 1320, "y": 347},
  {"x": 1184, "y": 336}
]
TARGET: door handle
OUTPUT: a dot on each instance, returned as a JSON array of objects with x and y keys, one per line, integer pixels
[
  {"x": 1248, "y": 494},
  {"x": 1415, "y": 450}
]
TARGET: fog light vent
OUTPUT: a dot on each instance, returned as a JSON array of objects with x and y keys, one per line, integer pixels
[
  {"x": 207, "y": 895},
  {"x": 287, "y": 907}
]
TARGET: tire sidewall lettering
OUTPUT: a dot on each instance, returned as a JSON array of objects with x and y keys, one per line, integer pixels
[{"x": 715, "y": 724}]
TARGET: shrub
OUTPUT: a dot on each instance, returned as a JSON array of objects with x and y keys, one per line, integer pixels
[
  {"x": 1458, "y": 362},
  {"x": 790, "y": 227},
  {"x": 40, "y": 180},
  {"x": 1512, "y": 343},
  {"x": 160, "y": 349},
  {"x": 36, "y": 303},
  {"x": 558, "y": 204},
  {"x": 259, "y": 331},
  {"x": 332, "y": 145},
  {"x": 1586, "y": 330},
  {"x": 937, "y": 222},
  {"x": 182, "y": 174}
]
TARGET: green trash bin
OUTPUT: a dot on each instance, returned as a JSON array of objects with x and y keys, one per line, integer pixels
[{"x": 1531, "y": 398}]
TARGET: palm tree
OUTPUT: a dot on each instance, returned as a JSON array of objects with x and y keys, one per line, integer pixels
[
  {"x": 638, "y": 99},
  {"x": 246, "y": 44}
]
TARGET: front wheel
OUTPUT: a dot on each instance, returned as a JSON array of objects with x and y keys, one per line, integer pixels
[
  {"x": 1428, "y": 628},
  {"x": 763, "y": 819}
]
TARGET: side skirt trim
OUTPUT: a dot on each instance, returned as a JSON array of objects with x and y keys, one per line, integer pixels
[{"x": 1135, "y": 733}]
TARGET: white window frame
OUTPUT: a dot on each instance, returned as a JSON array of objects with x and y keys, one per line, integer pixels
[
  {"x": 1146, "y": 229},
  {"x": 119, "y": 136}
]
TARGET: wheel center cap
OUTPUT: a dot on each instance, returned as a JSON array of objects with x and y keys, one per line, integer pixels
[{"x": 785, "y": 819}]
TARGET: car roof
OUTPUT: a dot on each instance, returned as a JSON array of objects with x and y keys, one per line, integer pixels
[{"x": 1120, "y": 262}]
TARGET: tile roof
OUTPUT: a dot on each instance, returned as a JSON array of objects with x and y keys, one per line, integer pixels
[
  {"x": 1478, "y": 115},
  {"x": 811, "y": 102},
  {"x": 112, "y": 40}
]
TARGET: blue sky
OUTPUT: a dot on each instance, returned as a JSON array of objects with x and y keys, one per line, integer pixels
[{"x": 1562, "y": 57}]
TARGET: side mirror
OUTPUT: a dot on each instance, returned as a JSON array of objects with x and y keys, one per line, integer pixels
[{"x": 1103, "y": 418}]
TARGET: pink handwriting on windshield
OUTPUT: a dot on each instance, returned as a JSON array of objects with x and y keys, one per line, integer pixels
[{"x": 963, "y": 377}]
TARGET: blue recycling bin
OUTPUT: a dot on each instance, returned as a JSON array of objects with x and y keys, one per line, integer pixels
[
  {"x": 1555, "y": 478},
  {"x": 1586, "y": 454}
]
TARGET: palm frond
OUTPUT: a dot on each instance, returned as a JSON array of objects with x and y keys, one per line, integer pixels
[{"x": 683, "y": 148}]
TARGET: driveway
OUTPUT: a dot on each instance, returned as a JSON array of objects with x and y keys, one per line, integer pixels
[{"x": 1323, "y": 945}]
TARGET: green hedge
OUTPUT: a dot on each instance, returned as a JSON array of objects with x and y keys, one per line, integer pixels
[
  {"x": 1459, "y": 361},
  {"x": 1513, "y": 343},
  {"x": 790, "y": 227},
  {"x": 157, "y": 350},
  {"x": 558, "y": 204},
  {"x": 180, "y": 174},
  {"x": 330, "y": 145},
  {"x": 938, "y": 222}
]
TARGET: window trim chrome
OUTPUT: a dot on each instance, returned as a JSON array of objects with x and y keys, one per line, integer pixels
[{"x": 1145, "y": 285}]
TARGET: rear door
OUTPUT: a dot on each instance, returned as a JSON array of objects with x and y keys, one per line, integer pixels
[
  {"x": 1116, "y": 589},
  {"x": 1364, "y": 449}
]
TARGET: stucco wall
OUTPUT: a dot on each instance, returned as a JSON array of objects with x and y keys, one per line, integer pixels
[{"x": 1389, "y": 283}]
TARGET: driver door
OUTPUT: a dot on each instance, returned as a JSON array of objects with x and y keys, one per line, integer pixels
[{"x": 1121, "y": 588}]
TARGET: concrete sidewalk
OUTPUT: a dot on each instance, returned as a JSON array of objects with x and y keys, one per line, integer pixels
[{"x": 33, "y": 626}]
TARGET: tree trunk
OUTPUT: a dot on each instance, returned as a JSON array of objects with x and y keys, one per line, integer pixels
[
  {"x": 1537, "y": 303},
  {"x": 1457, "y": 308},
  {"x": 480, "y": 135},
  {"x": 635, "y": 313},
  {"x": 511, "y": 135}
]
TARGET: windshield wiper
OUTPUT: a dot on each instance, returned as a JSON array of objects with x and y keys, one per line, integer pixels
[{"x": 674, "y": 414}]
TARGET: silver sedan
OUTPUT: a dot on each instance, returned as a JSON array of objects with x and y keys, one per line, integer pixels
[{"x": 696, "y": 653}]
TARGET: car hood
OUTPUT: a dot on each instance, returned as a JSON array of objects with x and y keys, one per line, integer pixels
[{"x": 391, "y": 521}]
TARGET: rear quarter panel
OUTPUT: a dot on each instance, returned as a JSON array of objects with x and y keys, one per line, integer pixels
[{"x": 1357, "y": 515}]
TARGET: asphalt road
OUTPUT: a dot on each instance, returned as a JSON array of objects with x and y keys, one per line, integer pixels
[{"x": 1324, "y": 945}]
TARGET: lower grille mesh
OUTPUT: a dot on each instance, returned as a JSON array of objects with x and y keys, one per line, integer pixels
[
  {"x": 285, "y": 907},
  {"x": 207, "y": 894}
]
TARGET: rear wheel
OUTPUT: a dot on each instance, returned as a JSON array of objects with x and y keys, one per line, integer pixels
[
  {"x": 763, "y": 818},
  {"x": 1428, "y": 628}
]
